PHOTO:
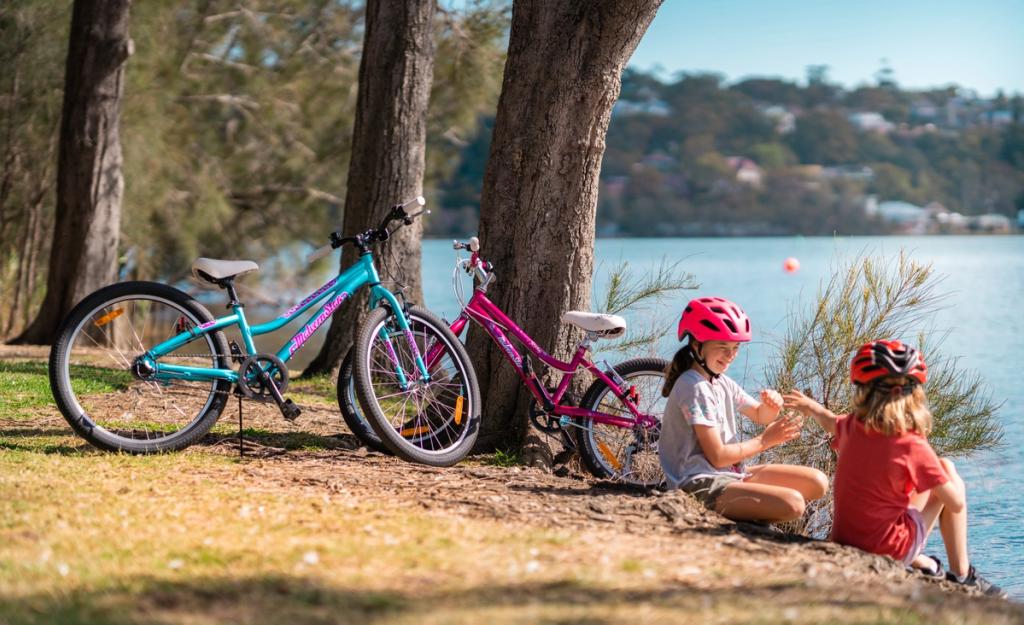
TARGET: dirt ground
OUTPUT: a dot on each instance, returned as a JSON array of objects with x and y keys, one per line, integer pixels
[{"x": 691, "y": 548}]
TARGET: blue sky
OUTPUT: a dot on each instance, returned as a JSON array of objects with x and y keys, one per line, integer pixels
[{"x": 977, "y": 44}]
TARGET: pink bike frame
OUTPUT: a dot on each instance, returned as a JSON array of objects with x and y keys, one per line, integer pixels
[{"x": 496, "y": 323}]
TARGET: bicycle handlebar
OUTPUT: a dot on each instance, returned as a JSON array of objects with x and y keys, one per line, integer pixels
[{"x": 380, "y": 233}]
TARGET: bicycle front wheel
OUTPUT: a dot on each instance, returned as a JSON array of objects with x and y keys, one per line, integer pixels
[
  {"x": 108, "y": 404},
  {"x": 434, "y": 421},
  {"x": 627, "y": 454}
]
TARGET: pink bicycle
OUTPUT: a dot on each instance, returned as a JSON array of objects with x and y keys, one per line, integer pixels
[{"x": 616, "y": 425}]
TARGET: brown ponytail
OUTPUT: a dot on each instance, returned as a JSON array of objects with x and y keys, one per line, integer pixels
[{"x": 681, "y": 363}]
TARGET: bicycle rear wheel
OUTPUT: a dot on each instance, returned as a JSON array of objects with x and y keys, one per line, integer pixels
[
  {"x": 627, "y": 454},
  {"x": 434, "y": 422},
  {"x": 351, "y": 411},
  {"x": 91, "y": 369}
]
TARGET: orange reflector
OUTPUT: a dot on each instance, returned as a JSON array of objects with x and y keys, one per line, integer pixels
[
  {"x": 458, "y": 410},
  {"x": 416, "y": 431},
  {"x": 608, "y": 455},
  {"x": 107, "y": 318}
]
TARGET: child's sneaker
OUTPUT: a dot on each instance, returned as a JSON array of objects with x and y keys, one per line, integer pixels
[{"x": 973, "y": 580}]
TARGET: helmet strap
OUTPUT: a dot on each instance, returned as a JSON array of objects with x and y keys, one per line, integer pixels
[{"x": 700, "y": 361}]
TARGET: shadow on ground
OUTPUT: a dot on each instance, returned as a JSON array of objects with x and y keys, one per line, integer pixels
[{"x": 273, "y": 600}]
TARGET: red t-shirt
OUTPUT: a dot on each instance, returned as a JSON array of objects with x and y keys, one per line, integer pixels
[{"x": 875, "y": 477}]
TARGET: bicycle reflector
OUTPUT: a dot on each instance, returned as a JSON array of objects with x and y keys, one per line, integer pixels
[
  {"x": 458, "y": 410},
  {"x": 107, "y": 318}
]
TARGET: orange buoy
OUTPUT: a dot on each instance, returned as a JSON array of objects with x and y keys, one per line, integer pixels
[{"x": 791, "y": 265}]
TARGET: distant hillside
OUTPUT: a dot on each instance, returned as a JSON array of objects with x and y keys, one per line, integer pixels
[{"x": 767, "y": 156}]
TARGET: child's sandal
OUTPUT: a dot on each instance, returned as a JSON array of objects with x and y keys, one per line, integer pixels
[{"x": 936, "y": 573}]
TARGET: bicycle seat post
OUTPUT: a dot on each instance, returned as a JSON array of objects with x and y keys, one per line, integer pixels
[{"x": 229, "y": 284}]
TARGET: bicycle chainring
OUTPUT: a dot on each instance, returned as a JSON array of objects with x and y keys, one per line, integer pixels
[{"x": 249, "y": 382}]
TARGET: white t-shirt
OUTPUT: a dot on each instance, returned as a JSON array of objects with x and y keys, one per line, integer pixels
[{"x": 695, "y": 400}]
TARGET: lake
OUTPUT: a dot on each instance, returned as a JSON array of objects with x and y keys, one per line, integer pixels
[{"x": 983, "y": 275}]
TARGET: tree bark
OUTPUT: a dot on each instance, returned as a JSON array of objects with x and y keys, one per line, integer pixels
[
  {"x": 83, "y": 256},
  {"x": 388, "y": 145},
  {"x": 539, "y": 200}
]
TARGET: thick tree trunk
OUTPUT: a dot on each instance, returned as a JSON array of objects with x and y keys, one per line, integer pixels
[
  {"x": 90, "y": 184},
  {"x": 539, "y": 201},
  {"x": 388, "y": 145}
]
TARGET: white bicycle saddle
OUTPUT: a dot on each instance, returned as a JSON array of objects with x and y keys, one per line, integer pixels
[
  {"x": 606, "y": 326},
  {"x": 211, "y": 269}
]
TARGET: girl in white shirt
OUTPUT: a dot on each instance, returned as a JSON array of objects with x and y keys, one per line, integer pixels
[{"x": 700, "y": 449}]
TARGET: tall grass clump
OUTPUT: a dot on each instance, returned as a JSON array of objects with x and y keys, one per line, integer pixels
[
  {"x": 640, "y": 296},
  {"x": 866, "y": 299}
]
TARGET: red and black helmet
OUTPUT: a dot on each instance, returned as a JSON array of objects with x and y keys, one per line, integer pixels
[
  {"x": 714, "y": 319},
  {"x": 878, "y": 359}
]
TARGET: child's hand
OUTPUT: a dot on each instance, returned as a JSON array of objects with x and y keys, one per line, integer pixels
[
  {"x": 801, "y": 403},
  {"x": 781, "y": 430},
  {"x": 772, "y": 399}
]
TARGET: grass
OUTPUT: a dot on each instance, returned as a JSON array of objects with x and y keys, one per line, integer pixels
[
  {"x": 27, "y": 384},
  {"x": 200, "y": 537},
  {"x": 503, "y": 458}
]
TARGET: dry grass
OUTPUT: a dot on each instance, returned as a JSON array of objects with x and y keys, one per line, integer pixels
[{"x": 308, "y": 528}]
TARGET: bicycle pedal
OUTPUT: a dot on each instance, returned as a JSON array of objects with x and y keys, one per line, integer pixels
[{"x": 290, "y": 410}]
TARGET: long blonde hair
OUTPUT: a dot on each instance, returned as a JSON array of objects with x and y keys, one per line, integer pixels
[{"x": 882, "y": 411}]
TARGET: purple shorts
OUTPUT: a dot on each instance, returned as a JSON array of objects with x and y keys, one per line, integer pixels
[{"x": 920, "y": 536}]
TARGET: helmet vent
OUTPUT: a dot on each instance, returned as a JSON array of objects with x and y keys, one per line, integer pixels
[
  {"x": 708, "y": 324},
  {"x": 718, "y": 309},
  {"x": 730, "y": 324}
]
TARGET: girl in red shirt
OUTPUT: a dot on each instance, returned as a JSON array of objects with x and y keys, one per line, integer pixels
[{"x": 890, "y": 487}]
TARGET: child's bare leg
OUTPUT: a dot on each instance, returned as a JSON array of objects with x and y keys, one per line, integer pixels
[
  {"x": 809, "y": 482},
  {"x": 745, "y": 501},
  {"x": 953, "y": 526}
]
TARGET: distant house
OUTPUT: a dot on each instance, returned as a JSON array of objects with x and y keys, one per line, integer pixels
[
  {"x": 785, "y": 120},
  {"x": 870, "y": 121},
  {"x": 924, "y": 109},
  {"x": 747, "y": 171},
  {"x": 906, "y": 217},
  {"x": 991, "y": 222},
  {"x": 660, "y": 161},
  {"x": 999, "y": 118},
  {"x": 862, "y": 173}
]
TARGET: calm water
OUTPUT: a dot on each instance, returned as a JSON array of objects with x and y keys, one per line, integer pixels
[{"x": 983, "y": 275}]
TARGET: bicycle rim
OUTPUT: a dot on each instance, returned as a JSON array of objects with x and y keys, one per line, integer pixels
[
  {"x": 118, "y": 409},
  {"x": 433, "y": 417},
  {"x": 630, "y": 454}
]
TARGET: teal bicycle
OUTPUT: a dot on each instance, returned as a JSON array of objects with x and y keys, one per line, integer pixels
[{"x": 142, "y": 367}]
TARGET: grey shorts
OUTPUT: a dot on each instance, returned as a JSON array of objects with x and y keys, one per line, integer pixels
[
  {"x": 707, "y": 489},
  {"x": 920, "y": 536}
]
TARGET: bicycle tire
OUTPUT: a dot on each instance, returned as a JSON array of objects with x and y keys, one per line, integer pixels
[
  {"x": 93, "y": 384},
  {"x": 351, "y": 411},
  {"x": 434, "y": 424},
  {"x": 614, "y": 452}
]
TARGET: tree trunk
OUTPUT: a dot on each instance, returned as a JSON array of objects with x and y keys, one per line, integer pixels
[
  {"x": 539, "y": 200},
  {"x": 83, "y": 256},
  {"x": 388, "y": 144}
]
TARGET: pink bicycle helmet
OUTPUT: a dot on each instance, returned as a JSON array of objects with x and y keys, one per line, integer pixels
[{"x": 714, "y": 319}]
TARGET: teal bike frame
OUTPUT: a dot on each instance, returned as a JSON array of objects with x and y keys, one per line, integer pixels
[{"x": 335, "y": 292}]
